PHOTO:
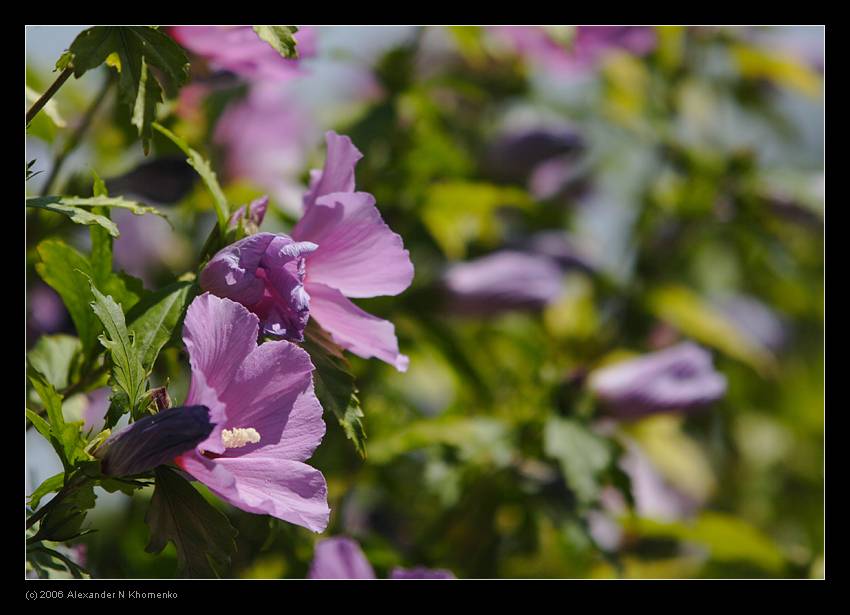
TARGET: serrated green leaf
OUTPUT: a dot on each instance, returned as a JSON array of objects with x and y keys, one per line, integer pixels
[
  {"x": 137, "y": 48},
  {"x": 66, "y": 438},
  {"x": 127, "y": 371},
  {"x": 582, "y": 455},
  {"x": 96, "y": 201},
  {"x": 156, "y": 317},
  {"x": 41, "y": 426},
  {"x": 65, "y": 269},
  {"x": 334, "y": 384},
  {"x": 54, "y": 483},
  {"x": 202, "y": 535},
  {"x": 54, "y": 356},
  {"x": 76, "y": 214},
  {"x": 281, "y": 38}
]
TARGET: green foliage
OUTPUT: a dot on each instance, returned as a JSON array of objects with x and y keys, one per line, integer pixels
[
  {"x": 457, "y": 213},
  {"x": 156, "y": 318},
  {"x": 282, "y": 38},
  {"x": 583, "y": 456},
  {"x": 727, "y": 538},
  {"x": 66, "y": 438},
  {"x": 178, "y": 513},
  {"x": 128, "y": 374},
  {"x": 135, "y": 49},
  {"x": 65, "y": 269},
  {"x": 56, "y": 357},
  {"x": 334, "y": 383}
]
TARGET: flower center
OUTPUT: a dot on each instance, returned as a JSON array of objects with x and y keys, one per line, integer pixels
[{"x": 239, "y": 437}]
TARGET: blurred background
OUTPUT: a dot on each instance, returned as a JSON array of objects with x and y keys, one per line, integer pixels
[{"x": 572, "y": 197}]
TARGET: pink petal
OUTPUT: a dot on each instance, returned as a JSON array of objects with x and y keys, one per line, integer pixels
[
  {"x": 219, "y": 334},
  {"x": 273, "y": 392},
  {"x": 264, "y": 483},
  {"x": 357, "y": 253},
  {"x": 352, "y": 328},
  {"x": 338, "y": 173}
]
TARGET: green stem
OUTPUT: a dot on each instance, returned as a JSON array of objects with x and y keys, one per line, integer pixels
[
  {"x": 69, "y": 488},
  {"x": 45, "y": 98}
]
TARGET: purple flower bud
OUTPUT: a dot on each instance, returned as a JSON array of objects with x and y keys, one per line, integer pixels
[
  {"x": 340, "y": 558},
  {"x": 265, "y": 273},
  {"x": 154, "y": 440},
  {"x": 675, "y": 379},
  {"x": 256, "y": 213}
]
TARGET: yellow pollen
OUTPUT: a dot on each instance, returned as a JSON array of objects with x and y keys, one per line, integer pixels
[{"x": 239, "y": 437}]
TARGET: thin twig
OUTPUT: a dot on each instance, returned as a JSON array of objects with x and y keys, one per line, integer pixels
[{"x": 54, "y": 87}]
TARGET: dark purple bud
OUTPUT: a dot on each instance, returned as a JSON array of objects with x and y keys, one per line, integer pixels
[{"x": 154, "y": 440}]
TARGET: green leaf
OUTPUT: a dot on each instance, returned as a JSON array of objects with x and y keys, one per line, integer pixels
[
  {"x": 696, "y": 318},
  {"x": 65, "y": 519},
  {"x": 727, "y": 538},
  {"x": 64, "y": 269},
  {"x": 457, "y": 213},
  {"x": 197, "y": 162},
  {"x": 334, "y": 383},
  {"x": 45, "y": 560},
  {"x": 282, "y": 38},
  {"x": 156, "y": 317},
  {"x": 132, "y": 50},
  {"x": 127, "y": 371},
  {"x": 178, "y": 513},
  {"x": 55, "y": 356},
  {"x": 54, "y": 483},
  {"x": 41, "y": 426},
  {"x": 66, "y": 438},
  {"x": 479, "y": 439},
  {"x": 76, "y": 214},
  {"x": 582, "y": 455},
  {"x": 95, "y": 201}
]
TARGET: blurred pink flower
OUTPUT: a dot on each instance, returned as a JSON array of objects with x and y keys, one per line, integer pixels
[
  {"x": 342, "y": 558},
  {"x": 239, "y": 50},
  {"x": 589, "y": 43}
]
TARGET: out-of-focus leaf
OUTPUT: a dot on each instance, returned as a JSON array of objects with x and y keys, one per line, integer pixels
[
  {"x": 479, "y": 439},
  {"x": 127, "y": 371},
  {"x": 50, "y": 109},
  {"x": 282, "y": 38},
  {"x": 54, "y": 357},
  {"x": 675, "y": 454},
  {"x": 457, "y": 213},
  {"x": 197, "y": 162},
  {"x": 335, "y": 386},
  {"x": 583, "y": 455},
  {"x": 155, "y": 318},
  {"x": 698, "y": 319},
  {"x": 46, "y": 561},
  {"x": 785, "y": 70},
  {"x": 727, "y": 538},
  {"x": 178, "y": 513}
]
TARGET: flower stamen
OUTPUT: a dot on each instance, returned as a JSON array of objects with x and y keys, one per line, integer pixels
[{"x": 239, "y": 437}]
